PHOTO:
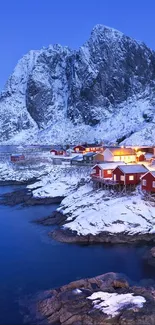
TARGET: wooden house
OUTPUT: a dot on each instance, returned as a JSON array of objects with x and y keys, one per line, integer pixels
[
  {"x": 104, "y": 170},
  {"x": 57, "y": 152},
  {"x": 127, "y": 155},
  {"x": 88, "y": 158},
  {"x": 93, "y": 158},
  {"x": 17, "y": 157},
  {"x": 148, "y": 181},
  {"x": 84, "y": 148},
  {"x": 129, "y": 174}
]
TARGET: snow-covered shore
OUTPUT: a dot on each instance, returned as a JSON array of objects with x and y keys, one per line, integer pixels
[
  {"x": 18, "y": 173},
  {"x": 60, "y": 181},
  {"x": 100, "y": 216}
]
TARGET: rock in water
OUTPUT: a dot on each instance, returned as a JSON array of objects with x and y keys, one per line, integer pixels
[
  {"x": 60, "y": 95},
  {"x": 103, "y": 300}
]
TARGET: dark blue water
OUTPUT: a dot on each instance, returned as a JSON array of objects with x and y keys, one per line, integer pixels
[{"x": 30, "y": 261}]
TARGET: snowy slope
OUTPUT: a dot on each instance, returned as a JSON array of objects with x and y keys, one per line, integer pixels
[
  {"x": 105, "y": 91},
  {"x": 93, "y": 212}
]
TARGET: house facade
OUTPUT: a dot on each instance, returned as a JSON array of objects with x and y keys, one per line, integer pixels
[
  {"x": 17, "y": 157},
  {"x": 128, "y": 174},
  {"x": 103, "y": 170},
  {"x": 84, "y": 148},
  {"x": 126, "y": 155},
  {"x": 57, "y": 152},
  {"x": 148, "y": 182}
]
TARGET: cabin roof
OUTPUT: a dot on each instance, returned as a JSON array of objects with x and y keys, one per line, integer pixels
[
  {"x": 122, "y": 151},
  {"x": 110, "y": 165},
  {"x": 91, "y": 145},
  {"x": 135, "y": 169},
  {"x": 89, "y": 154},
  {"x": 152, "y": 172},
  {"x": 77, "y": 158},
  {"x": 57, "y": 149}
]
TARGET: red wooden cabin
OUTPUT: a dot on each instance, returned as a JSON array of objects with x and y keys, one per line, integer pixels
[
  {"x": 148, "y": 181},
  {"x": 17, "y": 157},
  {"x": 57, "y": 152},
  {"x": 129, "y": 174},
  {"x": 104, "y": 170},
  {"x": 79, "y": 149},
  {"x": 84, "y": 148}
]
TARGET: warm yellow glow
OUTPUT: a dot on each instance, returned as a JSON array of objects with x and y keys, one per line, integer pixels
[{"x": 139, "y": 153}]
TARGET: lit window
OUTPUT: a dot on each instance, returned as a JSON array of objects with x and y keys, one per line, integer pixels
[
  {"x": 109, "y": 172},
  {"x": 131, "y": 178},
  {"x": 122, "y": 178},
  {"x": 153, "y": 184},
  {"x": 77, "y": 149},
  {"x": 144, "y": 182}
]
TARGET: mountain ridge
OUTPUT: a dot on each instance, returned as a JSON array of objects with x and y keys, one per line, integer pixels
[{"x": 105, "y": 90}]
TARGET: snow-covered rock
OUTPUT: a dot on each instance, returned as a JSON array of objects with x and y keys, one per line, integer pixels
[
  {"x": 60, "y": 181},
  {"x": 105, "y": 90},
  {"x": 90, "y": 212}
]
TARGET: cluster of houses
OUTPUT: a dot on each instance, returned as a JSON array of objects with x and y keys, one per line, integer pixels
[
  {"x": 114, "y": 166},
  {"x": 124, "y": 175}
]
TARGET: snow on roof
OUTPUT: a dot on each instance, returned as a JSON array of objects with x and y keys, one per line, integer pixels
[
  {"x": 89, "y": 154},
  {"x": 127, "y": 169},
  {"x": 122, "y": 151},
  {"x": 152, "y": 172},
  {"x": 112, "y": 303},
  {"x": 77, "y": 158},
  {"x": 110, "y": 165}
]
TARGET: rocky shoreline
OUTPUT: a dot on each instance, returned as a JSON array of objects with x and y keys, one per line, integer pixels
[
  {"x": 66, "y": 235},
  {"x": 26, "y": 198},
  {"x": 73, "y": 304}
]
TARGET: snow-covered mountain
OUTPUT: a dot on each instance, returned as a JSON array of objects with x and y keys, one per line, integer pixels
[{"x": 105, "y": 91}]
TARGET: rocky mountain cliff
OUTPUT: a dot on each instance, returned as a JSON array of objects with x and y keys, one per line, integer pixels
[{"x": 105, "y": 90}]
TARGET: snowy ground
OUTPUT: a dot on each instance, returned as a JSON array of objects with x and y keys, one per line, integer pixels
[
  {"x": 93, "y": 212},
  {"x": 61, "y": 181},
  {"x": 112, "y": 303},
  {"x": 23, "y": 171}
]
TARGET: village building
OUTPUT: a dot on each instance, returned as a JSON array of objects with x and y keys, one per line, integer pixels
[
  {"x": 57, "y": 151},
  {"x": 88, "y": 148},
  {"x": 126, "y": 155},
  {"x": 92, "y": 158},
  {"x": 104, "y": 170},
  {"x": 17, "y": 157},
  {"x": 128, "y": 174},
  {"x": 148, "y": 182}
]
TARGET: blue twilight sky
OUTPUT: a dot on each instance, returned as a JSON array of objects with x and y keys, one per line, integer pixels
[{"x": 31, "y": 24}]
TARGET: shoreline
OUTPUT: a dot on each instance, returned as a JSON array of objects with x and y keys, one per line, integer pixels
[{"x": 68, "y": 236}]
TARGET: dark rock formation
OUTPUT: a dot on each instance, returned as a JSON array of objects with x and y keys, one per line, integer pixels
[
  {"x": 25, "y": 197},
  {"x": 69, "y": 305},
  {"x": 67, "y": 236}
]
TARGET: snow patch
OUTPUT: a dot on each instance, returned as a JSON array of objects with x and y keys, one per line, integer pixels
[{"x": 113, "y": 303}]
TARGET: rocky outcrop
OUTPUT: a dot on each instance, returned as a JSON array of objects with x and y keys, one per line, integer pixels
[
  {"x": 106, "y": 89},
  {"x": 26, "y": 197},
  {"x": 65, "y": 235},
  {"x": 72, "y": 304}
]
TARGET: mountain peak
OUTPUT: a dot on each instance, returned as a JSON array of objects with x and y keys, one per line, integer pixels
[
  {"x": 106, "y": 31},
  {"x": 103, "y": 91}
]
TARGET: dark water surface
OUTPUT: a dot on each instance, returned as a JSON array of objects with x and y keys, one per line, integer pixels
[{"x": 30, "y": 261}]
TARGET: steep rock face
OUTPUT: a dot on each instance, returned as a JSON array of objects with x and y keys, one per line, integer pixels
[{"x": 105, "y": 90}]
